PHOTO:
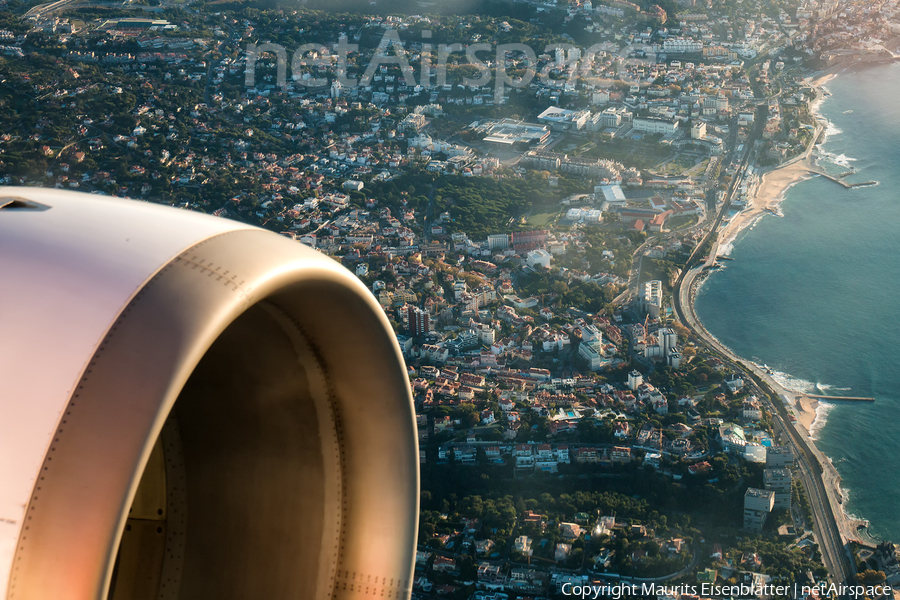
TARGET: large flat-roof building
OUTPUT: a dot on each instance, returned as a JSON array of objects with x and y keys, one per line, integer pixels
[
  {"x": 779, "y": 457},
  {"x": 564, "y": 119},
  {"x": 757, "y": 506},
  {"x": 654, "y": 125},
  {"x": 615, "y": 116},
  {"x": 682, "y": 46},
  {"x": 507, "y": 132},
  {"x": 134, "y": 23},
  {"x": 612, "y": 194},
  {"x": 538, "y": 258},
  {"x": 779, "y": 481},
  {"x": 523, "y": 241},
  {"x": 651, "y": 298}
]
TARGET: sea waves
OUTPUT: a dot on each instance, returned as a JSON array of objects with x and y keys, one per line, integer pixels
[
  {"x": 791, "y": 383},
  {"x": 832, "y": 129},
  {"x": 840, "y": 160},
  {"x": 824, "y": 387},
  {"x": 818, "y": 424}
]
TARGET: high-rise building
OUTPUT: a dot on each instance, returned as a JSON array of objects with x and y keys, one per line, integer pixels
[
  {"x": 779, "y": 482},
  {"x": 668, "y": 339},
  {"x": 590, "y": 354},
  {"x": 674, "y": 359},
  {"x": 635, "y": 379},
  {"x": 498, "y": 241},
  {"x": 757, "y": 506},
  {"x": 779, "y": 457},
  {"x": 560, "y": 57},
  {"x": 592, "y": 335},
  {"x": 698, "y": 130},
  {"x": 651, "y": 299},
  {"x": 418, "y": 320}
]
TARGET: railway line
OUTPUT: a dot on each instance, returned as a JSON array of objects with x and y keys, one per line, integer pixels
[{"x": 828, "y": 533}]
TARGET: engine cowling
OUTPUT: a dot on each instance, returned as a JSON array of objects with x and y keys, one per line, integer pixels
[{"x": 192, "y": 407}]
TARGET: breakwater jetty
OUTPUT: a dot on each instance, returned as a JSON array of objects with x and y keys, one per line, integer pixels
[
  {"x": 842, "y": 398},
  {"x": 839, "y": 179}
]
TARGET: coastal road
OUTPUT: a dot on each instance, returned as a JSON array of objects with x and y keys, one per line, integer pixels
[
  {"x": 828, "y": 533},
  {"x": 826, "y": 529},
  {"x": 812, "y": 474},
  {"x": 39, "y": 10},
  {"x": 826, "y": 511}
]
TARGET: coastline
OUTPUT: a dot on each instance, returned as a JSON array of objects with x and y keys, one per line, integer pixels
[
  {"x": 810, "y": 413},
  {"x": 770, "y": 192},
  {"x": 807, "y": 411}
]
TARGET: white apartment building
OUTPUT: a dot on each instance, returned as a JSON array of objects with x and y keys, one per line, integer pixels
[
  {"x": 653, "y": 125},
  {"x": 539, "y": 257},
  {"x": 682, "y": 46},
  {"x": 757, "y": 506},
  {"x": 778, "y": 481},
  {"x": 498, "y": 241},
  {"x": 651, "y": 298}
]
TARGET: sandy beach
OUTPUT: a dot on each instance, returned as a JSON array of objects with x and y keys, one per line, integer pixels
[
  {"x": 768, "y": 195},
  {"x": 805, "y": 409},
  {"x": 769, "y": 192}
]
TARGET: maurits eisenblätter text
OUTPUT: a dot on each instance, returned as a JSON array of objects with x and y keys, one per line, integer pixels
[{"x": 621, "y": 590}]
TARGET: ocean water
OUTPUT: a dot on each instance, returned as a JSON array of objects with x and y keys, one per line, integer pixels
[{"x": 815, "y": 295}]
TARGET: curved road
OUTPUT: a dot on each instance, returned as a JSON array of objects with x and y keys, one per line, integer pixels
[
  {"x": 826, "y": 528},
  {"x": 828, "y": 533}
]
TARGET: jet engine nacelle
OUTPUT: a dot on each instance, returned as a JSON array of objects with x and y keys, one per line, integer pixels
[{"x": 191, "y": 407}]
